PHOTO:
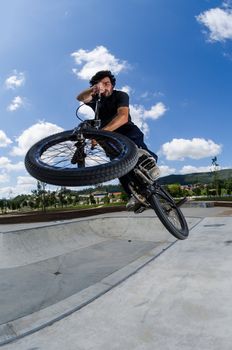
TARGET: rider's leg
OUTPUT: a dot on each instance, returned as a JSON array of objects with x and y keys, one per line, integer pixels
[
  {"x": 153, "y": 172},
  {"x": 124, "y": 180},
  {"x": 137, "y": 137}
]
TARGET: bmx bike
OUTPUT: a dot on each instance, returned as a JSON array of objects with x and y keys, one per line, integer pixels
[{"x": 87, "y": 155}]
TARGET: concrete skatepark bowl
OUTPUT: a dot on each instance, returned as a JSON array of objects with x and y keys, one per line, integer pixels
[{"x": 49, "y": 271}]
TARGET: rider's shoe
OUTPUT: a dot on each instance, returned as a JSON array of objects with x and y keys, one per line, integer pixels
[
  {"x": 147, "y": 164},
  {"x": 134, "y": 205},
  {"x": 155, "y": 172}
]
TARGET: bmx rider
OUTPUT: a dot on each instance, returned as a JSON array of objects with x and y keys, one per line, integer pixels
[{"x": 115, "y": 116}]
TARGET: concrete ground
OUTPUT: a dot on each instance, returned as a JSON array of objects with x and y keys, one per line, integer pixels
[{"x": 117, "y": 282}]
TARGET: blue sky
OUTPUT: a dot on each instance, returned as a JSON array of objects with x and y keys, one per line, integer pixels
[{"x": 173, "y": 57}]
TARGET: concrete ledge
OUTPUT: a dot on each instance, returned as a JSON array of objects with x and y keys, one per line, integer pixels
[
  {"x": 198, "y": 204},
  {"x": 56, "y": 215}
]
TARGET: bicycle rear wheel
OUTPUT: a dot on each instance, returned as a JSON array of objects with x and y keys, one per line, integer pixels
[
  {"x": 51, "y": 159},
  {"x": 169, "y": 214}
]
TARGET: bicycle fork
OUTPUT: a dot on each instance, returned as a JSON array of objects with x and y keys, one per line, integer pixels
[{"x": 79, "y": 154}]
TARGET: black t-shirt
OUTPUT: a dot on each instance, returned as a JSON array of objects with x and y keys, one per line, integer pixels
[{"x": 109, "y": 105}]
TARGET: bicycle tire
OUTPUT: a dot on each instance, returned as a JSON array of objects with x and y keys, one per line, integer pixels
[
  {"x": 164, "y": 206},
  {"x": 124, "y": 159}
]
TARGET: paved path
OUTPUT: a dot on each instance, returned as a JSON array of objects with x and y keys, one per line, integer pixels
[{"x": 179, "y": 300}]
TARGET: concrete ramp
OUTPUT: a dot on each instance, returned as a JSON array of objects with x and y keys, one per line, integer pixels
[
  {"x": 51, "y": 271},
  {"x": 30, "y": 245}
]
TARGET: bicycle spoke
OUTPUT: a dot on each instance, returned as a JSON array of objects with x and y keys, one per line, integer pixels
[
  {"x": 169, "y": 210},
  {"x": 60, "y": 155}
]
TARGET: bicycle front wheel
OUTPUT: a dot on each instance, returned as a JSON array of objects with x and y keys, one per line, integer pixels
[
  {"x": 51, "y": 159},
  {"x": 169, "y": 214}
]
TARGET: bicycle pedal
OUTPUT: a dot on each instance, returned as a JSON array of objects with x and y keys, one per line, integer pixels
[{"x": 140, "y": 209}]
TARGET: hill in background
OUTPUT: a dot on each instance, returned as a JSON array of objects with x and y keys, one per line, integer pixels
[{"x": 191, "y": 179}]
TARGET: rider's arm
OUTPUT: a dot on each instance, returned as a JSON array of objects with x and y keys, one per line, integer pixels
[
  {"x": 121, "y": 118},
  {"x": 86, "y": 95}
]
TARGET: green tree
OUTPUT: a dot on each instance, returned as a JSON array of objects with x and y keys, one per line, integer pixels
[
  {"x": 215, "y": 169},
  {"x": 196, "y": 191},
  {"x": 228, "y": 186},
  {"x": 52, "y": 199},
  {"x": 76, "y": 199},
  {"x": 106, "y": 199},
  {"x": 124, "y": 197},
  {"x": 92, "y": 199},
  {"x": 175, "y": 190},
  {"x": 61, "y": 196},
  {"x": 2, "y": 205}
]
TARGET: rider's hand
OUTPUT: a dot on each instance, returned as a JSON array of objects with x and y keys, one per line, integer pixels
[
  {"x": 98, "y": 88},
  {"x": 94, "y": 89},
  {"x": 93, "y": 143}
]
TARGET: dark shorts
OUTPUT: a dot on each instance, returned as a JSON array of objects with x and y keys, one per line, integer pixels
[{"x": 136, "y": 135}]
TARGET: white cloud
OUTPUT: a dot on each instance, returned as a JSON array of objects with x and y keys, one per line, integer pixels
[
  {"x": 33, "y": 134},
  {"x": 219, "y": 23},
  {"x": 165, "y": 170},
  {"x": 4, "y": 140},
  {"x": 26, "y": 181},
  {"x": 16, "y": 103},
  {"x": 189, "y": 169},
  {"x": 126, "y": 89},
  {"x": 151, "y": 95},
  {"x": 6, "y": 164},
  {"x": 227, "y": 55},
  {"x": 145, "y": 94},
  {"x": 227, "y": 3},
  {"x": 179, "y": 149},
  {"x": 4, "y": 177},
  {"x": 156, "y": 111},
  {"x": 14, "y": 81},
  {"x": 5, "y": 192},
  {"x": 24, "y": 185},
  {"x": 97, "y": 59},
  {"x": 139, "y": 115}
]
